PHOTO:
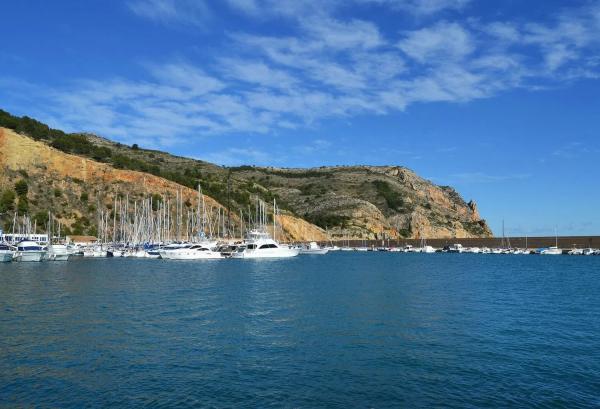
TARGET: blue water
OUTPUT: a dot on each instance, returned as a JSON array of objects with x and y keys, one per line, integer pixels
[{"x": 342, "y": 330}]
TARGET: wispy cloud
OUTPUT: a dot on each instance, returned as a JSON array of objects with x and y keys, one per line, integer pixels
[
  {"x": 188, "y": 12},
  {"x": 575, "y": 150},
  {"x": 325, "y": 66},
  {"x": 423, "y": 7},
  {"x": 241, "y": 156}
]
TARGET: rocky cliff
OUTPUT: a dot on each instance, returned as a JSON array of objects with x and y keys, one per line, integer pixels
[
  {"x": 73, "y": 187},
  {"x": 338, "y": 202}
]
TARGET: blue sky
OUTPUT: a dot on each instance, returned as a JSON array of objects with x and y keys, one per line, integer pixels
[{"x": 499, "y": 99}]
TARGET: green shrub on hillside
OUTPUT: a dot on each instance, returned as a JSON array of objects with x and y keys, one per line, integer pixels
[
  {"x": 327, "y": 220},
  {"x": 392, "y": 198},
  {"x": 22, "y": 205},
  {"x": 7, "y": 201},
  {"x": 21, "y": 188}
]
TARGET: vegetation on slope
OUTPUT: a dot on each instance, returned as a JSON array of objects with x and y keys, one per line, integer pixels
[{"x": 359, "y": 201}]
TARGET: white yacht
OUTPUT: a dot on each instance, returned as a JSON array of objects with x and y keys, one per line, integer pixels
[
  {"x": 6, "y": 253},
  {"x": 194, "y": 252},
  {"x": 313, "y": 248},
  {"x": 96, "y": 251},
  {"x": 551, "y": 251},
  {"x": 456, "y": 248},
  {"x": 166, "y": 251},
  {"x": 554, "y": 250},
  {"x": 259, "y": 244},
  {"x": 58, "y": 252},
  {"x": 29, "y": 251}
]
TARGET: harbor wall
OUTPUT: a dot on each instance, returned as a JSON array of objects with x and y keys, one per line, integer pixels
[{"x": 564, "y": 242}]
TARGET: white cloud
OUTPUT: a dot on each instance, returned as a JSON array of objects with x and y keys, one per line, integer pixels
[
  {"x": 257, "y": 72},
  {"x": 326, "y": 66},
  {"x": 187, "y": 77},
  {"x": 336, "y": 34},
  {"x": 439, "y": 43},
  {"x": 240, "y": 156},
  {"x": 189, "y": 12},
  {"x": 422, "y": 7}
]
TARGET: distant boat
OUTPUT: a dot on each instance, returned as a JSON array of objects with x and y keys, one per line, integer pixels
[
  {"x": 554, "y": 250},
  {"x": 29, "y": 251},
  {"x": 6, "y": 253},
  {"x": 313, "y": 248},
  {"x": 57, "y": 252},
  {"x": 456, "y": 248},
  {"x": 194, "y": 252},
  {"x": 551, "y": 251}
]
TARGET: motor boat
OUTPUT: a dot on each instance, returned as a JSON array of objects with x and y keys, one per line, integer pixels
[
  {"x": 258, "y": 244},
  {"x": 165, "y": 251},
  {"x": 29, "y": 251},
  {"x": 313, "y": 248},
  {"x": 6, "y": 253},
  {"x": 575, "y": 252},
  {"x": 195, "y": 252},
  {"x": 96, "y": 252},
  {"x": 58, "y": 252},
  {"x": 588, "y": 252},
  {"x": 172, "y": 251},
  {"x": 456, "y": 248}
]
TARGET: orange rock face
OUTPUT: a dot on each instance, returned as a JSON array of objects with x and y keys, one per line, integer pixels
[{"x": 49, "y": 167}]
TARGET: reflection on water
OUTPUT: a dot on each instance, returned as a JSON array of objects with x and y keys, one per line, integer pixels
[{"x": 346, "y": 329}]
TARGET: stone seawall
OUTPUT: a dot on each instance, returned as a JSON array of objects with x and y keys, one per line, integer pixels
[{"x": 565, "y": 242}]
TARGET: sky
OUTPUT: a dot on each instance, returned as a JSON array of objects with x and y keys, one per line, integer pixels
[{"x": 500, "y": 100}]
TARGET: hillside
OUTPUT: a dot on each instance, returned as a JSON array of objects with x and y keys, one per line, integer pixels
[
  {"x": 74, "y": 189},
  {"x": 354, "y": 201}
]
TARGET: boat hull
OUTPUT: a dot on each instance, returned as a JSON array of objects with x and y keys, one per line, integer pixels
[
  {"x": 314, "y": 251},
  {"x": 266, "y": 253},
  {"x": 6, "y": 256},
  {"x": 199, "y": 256},
  {"x": 29, "y": 256}
]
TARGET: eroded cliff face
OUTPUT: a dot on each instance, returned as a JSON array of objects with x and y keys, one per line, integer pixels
[
  {"x": 349, "y": 201},
  {"x": 373, "y": 202},
  {"x": 57, "y": 181}
]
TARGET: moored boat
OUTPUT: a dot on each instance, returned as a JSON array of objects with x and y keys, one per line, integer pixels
[
  {"x": 259, "y": 244},
  {"x": 6, "y": 253},
  {"x": 57, "y": 252},
  {"x": 551, "y": 251},
  {"x": 29, "y": 251},
  {"x": 195, "y": 252},
  {"x": 313, "y": 248}
]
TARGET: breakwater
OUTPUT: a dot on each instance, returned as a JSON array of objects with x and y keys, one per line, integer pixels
[{"x": 564, "y": 242}]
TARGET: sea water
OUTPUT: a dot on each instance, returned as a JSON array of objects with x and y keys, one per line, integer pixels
[{"x": 341, "y": 330}]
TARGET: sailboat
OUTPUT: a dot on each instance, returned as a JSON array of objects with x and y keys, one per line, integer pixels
[
  {"x": 424, "y": 247},
  {"x": 554, "y": 250}
]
